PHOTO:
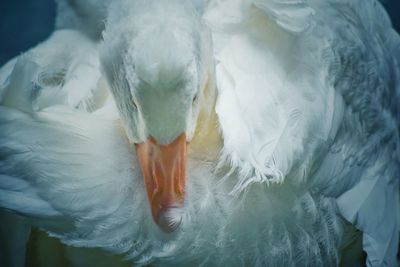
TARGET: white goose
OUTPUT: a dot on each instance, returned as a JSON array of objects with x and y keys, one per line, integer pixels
[{"x": 257, "y": 129}]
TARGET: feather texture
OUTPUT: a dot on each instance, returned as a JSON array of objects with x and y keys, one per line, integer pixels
[{"x": 307, "y": 105}]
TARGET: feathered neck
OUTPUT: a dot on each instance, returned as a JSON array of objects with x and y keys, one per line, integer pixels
[{"x": 207, "y": 141}]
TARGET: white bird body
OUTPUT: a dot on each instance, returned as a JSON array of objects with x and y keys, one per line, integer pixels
[{"x": 304, "y": 135}]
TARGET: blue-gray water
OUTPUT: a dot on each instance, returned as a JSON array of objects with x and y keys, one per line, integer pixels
[{"x": 24, "y": 23}]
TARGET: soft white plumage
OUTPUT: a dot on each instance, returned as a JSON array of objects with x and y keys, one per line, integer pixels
[{"x": 308, "y": 132}]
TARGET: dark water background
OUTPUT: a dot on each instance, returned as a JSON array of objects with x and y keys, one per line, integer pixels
[{"x": 24, "y": 23}]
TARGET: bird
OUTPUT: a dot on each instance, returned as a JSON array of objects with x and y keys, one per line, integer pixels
[{"x": 206, "y": 133}]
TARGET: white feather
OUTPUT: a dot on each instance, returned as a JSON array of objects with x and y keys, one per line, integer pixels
[{"x": 308, "y": 95}]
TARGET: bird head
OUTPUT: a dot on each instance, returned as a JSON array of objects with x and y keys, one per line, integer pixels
[{"x": 157, "y": 70}]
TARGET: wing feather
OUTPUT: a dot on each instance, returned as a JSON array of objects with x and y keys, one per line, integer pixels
[
  {"x": 334, "y": 64},
  {"x": 263, "y": 79},
  {"x": 57, "y": 170},
  {"x": 65, "y": 165}
]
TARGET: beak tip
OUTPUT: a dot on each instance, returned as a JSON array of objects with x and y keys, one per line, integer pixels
[{"x": 169, "y": 220}]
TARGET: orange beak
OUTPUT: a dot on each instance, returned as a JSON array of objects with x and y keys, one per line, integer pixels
[{"x": 163, "y": 169}]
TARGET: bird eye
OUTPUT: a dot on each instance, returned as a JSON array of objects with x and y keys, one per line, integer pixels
[
  {"x": 195, "y": 98},
  {"x": 133, "y": 104}
]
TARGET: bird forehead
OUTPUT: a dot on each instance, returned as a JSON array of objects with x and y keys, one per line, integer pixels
[
  {"x": 162, "y": 62},
  {"x": 163, "y": 76}
]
